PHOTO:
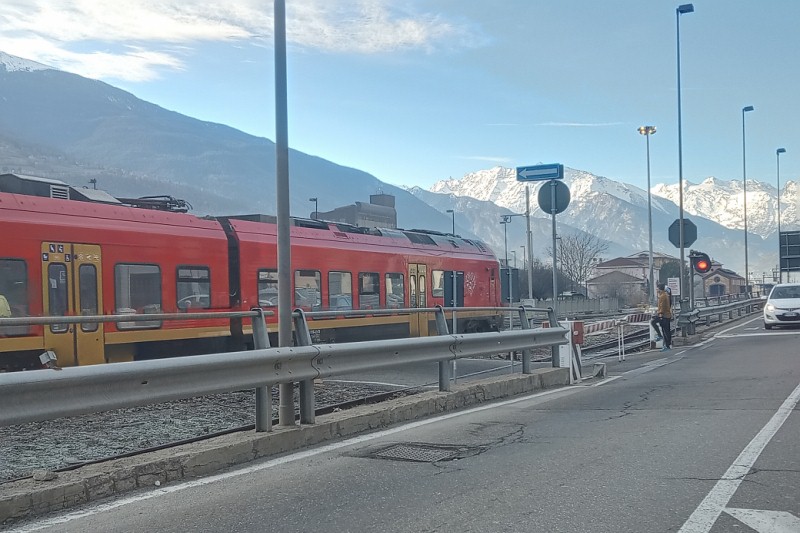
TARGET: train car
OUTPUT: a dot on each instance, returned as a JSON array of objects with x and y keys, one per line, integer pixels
[
  {"x": 342, "y": 267},
  {"x": 62, "y": 257}
]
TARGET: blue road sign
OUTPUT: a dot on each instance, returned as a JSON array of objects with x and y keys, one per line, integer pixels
[{"x": 553, "y": 171}]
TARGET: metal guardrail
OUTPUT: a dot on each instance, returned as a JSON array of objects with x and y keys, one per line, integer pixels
[
  {"x": 687, "y": 319},
  {"x": 48, "y": 394}
]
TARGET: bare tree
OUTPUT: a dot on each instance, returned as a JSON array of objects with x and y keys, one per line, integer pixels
[{"x": 577, "y": 255}]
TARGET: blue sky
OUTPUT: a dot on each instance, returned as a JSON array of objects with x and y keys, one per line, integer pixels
[{"x": 414, "y": 91}]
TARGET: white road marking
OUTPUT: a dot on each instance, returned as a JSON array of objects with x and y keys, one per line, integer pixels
[
  {"x": 766, "y": 521},
  {"x": 707, "y": 513},
  {"x": 606, "y": 380},
  {"x": 724, "y": 331},
  {"x": 763, "y": 334}
]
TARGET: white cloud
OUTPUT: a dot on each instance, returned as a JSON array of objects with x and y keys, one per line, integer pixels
[{"x": 134, "y": 39}]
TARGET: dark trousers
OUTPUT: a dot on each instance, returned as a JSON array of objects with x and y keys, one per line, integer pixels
[
  {"x": 655, "y": 323},
  {"x": 666, "y": 331}
]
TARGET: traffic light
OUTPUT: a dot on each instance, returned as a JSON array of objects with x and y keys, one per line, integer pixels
[{"x": 701, "y": 263}]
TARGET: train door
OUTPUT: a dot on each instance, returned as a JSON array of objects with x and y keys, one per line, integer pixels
[
  {"x": 71, "y": 278},
  {"x": 417, "y": 293}
]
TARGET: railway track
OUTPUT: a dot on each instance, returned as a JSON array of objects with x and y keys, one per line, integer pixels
[{"x": 67, "y": 444}]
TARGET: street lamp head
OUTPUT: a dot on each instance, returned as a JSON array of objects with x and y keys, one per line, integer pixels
[
  {"x": 312, "y": 199},
  {"x": 450, "y": 211},
  {"x": 747, "y": 108},
  {"x": 780, "y": 151},
  {"x": 685, "y": 8},
  {"x": 647, "y": 130}
]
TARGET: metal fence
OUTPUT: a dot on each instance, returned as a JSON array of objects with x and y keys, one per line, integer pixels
[{"x": 29, "y": 396}]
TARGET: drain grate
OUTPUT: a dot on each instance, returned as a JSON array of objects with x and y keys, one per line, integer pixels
[{"x": 420, "y": 453}]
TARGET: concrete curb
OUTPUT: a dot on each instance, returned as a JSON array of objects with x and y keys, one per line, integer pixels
[{"x": 28, "y": 498}]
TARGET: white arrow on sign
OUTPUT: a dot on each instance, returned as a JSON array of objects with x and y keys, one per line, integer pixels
[
  {"x": 527, "y": 174},
  {"x": 766, "y": 521}
]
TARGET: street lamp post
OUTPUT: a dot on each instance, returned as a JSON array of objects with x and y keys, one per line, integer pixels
[
  {"x": 505, "y": 221},
  {"x": 524, "y": 257},
  {"x": 745, "y": 109},
  {"x": 647, "y": 131},
  {"x": 778, "y": 153},
  {"x": 682, "y": 9},
  {"x": 316, "y": 211},
  {"x": 453, "y": 213}
]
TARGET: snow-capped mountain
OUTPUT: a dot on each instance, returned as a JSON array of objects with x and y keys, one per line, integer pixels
[
  {"x": 723, "y": 202},
  {"x": 617, "y": 212},
  {"x": 12, "y": 63}
]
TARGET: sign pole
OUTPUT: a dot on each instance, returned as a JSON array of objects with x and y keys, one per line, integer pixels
[
  {"x": 555, "y": 250},
  {"x": 530, "y": 240}
]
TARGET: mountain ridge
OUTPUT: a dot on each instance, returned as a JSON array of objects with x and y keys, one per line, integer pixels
[{"x": 62, "y": 125}]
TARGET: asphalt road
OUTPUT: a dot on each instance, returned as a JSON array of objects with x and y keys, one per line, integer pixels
[{"x": 702, "y": 439}]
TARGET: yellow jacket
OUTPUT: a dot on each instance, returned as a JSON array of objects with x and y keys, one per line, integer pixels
[{"x": 664, "y": 307}]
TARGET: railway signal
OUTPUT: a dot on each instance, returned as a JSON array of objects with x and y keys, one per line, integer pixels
[{"x": 701, "y": 263}]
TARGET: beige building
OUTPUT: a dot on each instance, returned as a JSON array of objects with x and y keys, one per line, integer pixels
[
  {"x": 379, "y": 212},
  {"x": 720, "y": 281}
]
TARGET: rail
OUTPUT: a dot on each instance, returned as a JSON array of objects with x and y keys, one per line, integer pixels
[{"x": 28, "y": 396}]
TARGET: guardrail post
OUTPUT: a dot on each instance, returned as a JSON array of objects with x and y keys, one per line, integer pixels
[
  {"x": 683, "y": 319},
  {"x": 446, "y": 369},
  {"x": 263, "y": 394},
  {"x": 524, "y": 323},
  {"x": 303, "y": 338},
  {"x": 551, "y": 315}
]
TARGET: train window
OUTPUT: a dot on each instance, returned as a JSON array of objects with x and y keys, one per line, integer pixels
[
  {"x": 423, "y": 296},
  {"x": 267, "y": 288},
  {"x": 369, "y": 290},
  {"x": 307, "y": 289},
  {"x": 437, "y": 278},
  {"x": 395, "y": 291},
  {"x": 13, "y": 294},
  {"x": 87, "y": 275},
  {"x": 340, "y": 291},
  {"x": 138, "y": 290},
  {"x": 193, "y": 287},
  {"x": 57, "y": 294}
]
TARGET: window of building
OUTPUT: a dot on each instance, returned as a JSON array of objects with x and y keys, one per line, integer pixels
[
  {"x": 87, "y": 277},
  {"x": 307, "y": 293},
  {"x": 340, "y": 291},
  {"x": 267, "y": 287},
  {"x": 369, "y": 290},
  {"x": 193, "y": 289},
  {"x": 395, "y": 291},
  {"x": 137, "y": 291}
]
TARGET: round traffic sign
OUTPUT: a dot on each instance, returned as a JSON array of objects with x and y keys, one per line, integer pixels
[{"x": 546, "y": 196}]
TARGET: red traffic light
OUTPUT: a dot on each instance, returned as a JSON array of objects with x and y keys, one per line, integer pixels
[{"x": 701, "y": 262}]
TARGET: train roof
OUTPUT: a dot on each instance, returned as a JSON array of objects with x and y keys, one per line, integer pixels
[{"x": 170, "y": 211}]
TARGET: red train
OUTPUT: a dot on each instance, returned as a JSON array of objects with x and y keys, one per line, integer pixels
[{"x": 61, "y": 257}]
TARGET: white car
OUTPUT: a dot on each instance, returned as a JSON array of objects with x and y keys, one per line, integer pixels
[{"x": 782, "y": 306}]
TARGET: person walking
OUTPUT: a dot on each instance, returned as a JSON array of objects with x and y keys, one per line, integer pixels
[{"x": 664, "y": 312}]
